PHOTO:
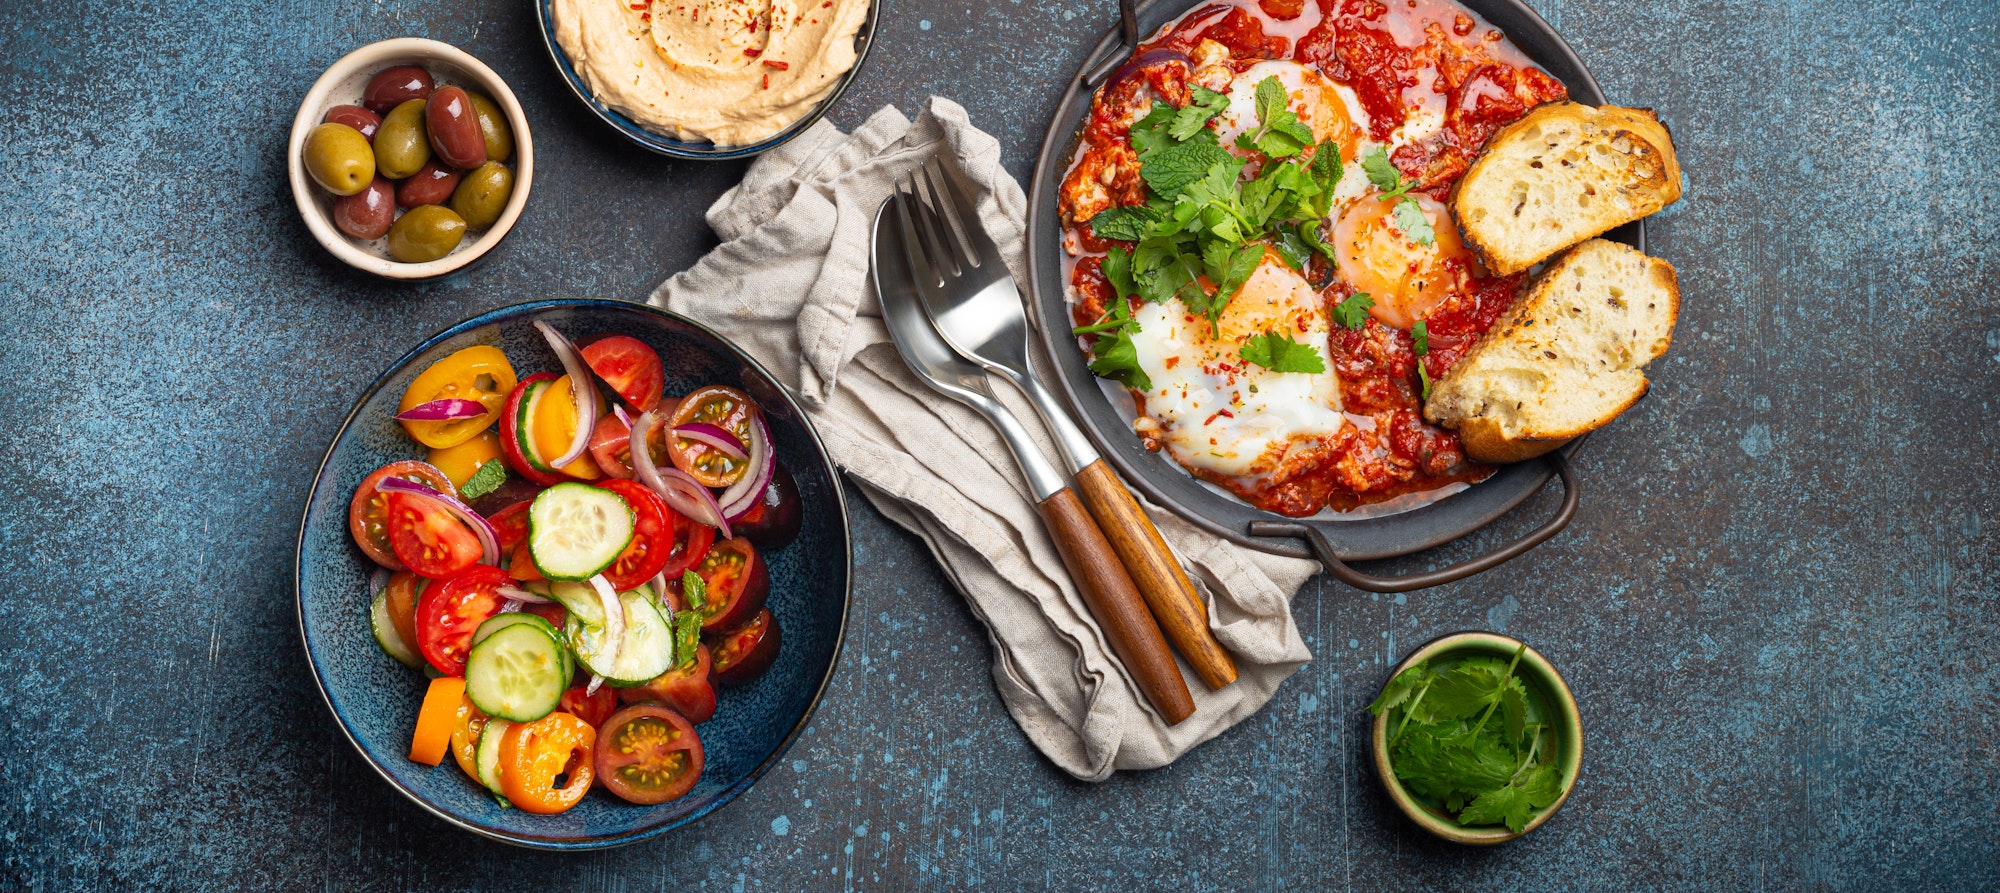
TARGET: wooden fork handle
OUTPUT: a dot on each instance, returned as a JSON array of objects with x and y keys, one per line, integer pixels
[
  {"x": 1116, "y": 604},
  {"x": 1161, "y": 581}
]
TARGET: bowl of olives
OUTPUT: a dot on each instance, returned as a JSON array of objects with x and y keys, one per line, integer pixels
[{"x": 410, "y": 159}]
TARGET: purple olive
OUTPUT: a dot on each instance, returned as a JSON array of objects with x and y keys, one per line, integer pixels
[
  {"x": 394, "y": 86},
  {"x": 367, "y": 214},
  {"x": 356, "y": 117},
  {"x": 431, "y": 185},
  {"x": 453, "y": 126}
]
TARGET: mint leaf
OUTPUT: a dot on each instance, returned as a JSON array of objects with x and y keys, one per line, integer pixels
[
  {"x": 687, "y": 637},
  {"x": 487, "y": 479},
  {"x": 1515, "y": 803},
  {"x": 1270, "y": 98},
  {"x": 1127, "y": 224},
  {"x": 1171, "y": 168},
  {"x": 1353, "y": 312},
  {"x": 1206, "y": 105},
  {"x": 1326, "y": 165},
  {"x": 1279, "y": 134},
  {"x": 1279, "y": 353},
  {"x": 1411, "y": 220},
  {"x": 694, "y": 590}
]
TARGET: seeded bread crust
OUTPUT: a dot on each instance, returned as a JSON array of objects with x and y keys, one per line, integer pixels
[
  {"x": 1566, "y": 359},
  {"x": 1564, "y": 173}
]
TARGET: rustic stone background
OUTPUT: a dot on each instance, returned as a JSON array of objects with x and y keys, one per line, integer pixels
[{"x": 1777, "y": 606}]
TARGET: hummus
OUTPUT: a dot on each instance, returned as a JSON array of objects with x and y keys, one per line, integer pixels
[{"x": 731, "y": 72}]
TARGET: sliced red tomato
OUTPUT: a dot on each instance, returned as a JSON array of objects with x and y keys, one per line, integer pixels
[
  {"x": 648, "y": 754},
  {"x": 652, "y": 536},
  {"x": 428, "y": 539},
  {"x": 774, "y": 520},
  {"x": 546, "y": 765},
  {"x": 521, "y": 564},
  {"x": 551, "y": 612},
  {"x": 511, "y": 425},
  {"x": 686, "y": 689},
  {"x": 726, "y": 408},
  {"x": 692, "y": 542},
  {"x": 510, "y": 525},
  {"x": 449, "y": 611},
  {"x": 744, "y": 653},
  {"x": 591, "y": 708},
  {"x": 611, "y": 447},
  {"x": 367, "y": 510},
  {"x": 737, "y": 585},
  {"x": 629, "y": 366}
]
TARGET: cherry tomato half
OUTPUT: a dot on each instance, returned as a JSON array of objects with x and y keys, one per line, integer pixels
[
  {"x": 744, "y": 653},
  {"x": 551, "y": 612},
  {"x": 685, "y": 689},
  {"x": 510, "y": 434},
  {"x": 773, "y": 521},
  {"x": 737, "y": 585},
  {"x": 692, "y": 542},
  {"x": 591, "y": 708},
  {"x": 428, "y": 539},
  {"x": 368, "y": 508},
  {"x": 479, "y": 373},
  {"x": 611, "y": 447},
  {"x": 461, "y": 462},
  {"x": 510, "y": 524},
  {"x": 628, "y": 366},
  {"x": 552, "y": 425},
  {"x": 465, "y": 738},
  {"x": 536, "y": 757},
  {"x": 401, "y": 595},
  {"x": 449, "y": 611},
  {"x": 723, "y": 407},
  {"x": 649, "y": 754},
  {"x": 652, "y": 536}
]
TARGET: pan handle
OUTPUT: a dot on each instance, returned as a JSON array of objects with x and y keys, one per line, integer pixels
[
  {"x": 1345, "y": 573},
  {"x": 1128, "y": 31}
]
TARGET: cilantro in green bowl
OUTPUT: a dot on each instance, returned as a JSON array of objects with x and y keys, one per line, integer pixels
[{"x": 1477, "y": 738}]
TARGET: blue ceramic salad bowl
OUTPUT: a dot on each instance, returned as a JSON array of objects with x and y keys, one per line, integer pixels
[{"x": 375, "y": 700}]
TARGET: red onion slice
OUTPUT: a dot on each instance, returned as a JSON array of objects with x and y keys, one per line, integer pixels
[
  {"x": 715, "y": 436},
  {"x": 744, "y": 495},
  {"x": 618, "y": 409},
  {"x": 518, "y": 594},
  {"x": 685, "y": 494},
  {"x": 614, "y": 618},
  {"x": 377, "y": 580},
  {"x": 595, "y": 681},
  {"x": 446, "y": 410},
  {"x": 581, "y": 385},
  {"x": 489, "y": 542}
]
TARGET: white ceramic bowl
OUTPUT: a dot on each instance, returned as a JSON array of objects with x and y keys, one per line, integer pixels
[{"x": 342, "y": 85}]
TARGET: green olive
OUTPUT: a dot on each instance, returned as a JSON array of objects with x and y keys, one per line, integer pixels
[
  {"x": 401, "y": 146},
  {"x": 425, "y": 233},
  {"x": 492, "y": 126},
  {"x": 483, "y": 194},
  {"x": 339, "y": 159}
]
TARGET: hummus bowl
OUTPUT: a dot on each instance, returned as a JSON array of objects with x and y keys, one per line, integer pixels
[
  {"x": 660, "y": 139},
  {"x": 342, "y": 85}
]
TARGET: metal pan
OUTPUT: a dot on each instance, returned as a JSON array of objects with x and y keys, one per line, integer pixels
[{"x": 1333, "y": 541}]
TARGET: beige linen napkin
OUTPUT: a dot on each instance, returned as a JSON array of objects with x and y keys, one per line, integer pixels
[{"x": 790, "y": 284}]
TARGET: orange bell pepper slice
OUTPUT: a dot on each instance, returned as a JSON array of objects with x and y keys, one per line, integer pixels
[{"x": 437, "y": 719}]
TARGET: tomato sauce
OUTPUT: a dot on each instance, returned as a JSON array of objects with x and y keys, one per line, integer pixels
[{"x": 1404, "y": 60}]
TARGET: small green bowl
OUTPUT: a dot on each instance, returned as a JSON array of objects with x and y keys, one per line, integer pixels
[{"x": 1539, "y": 674}]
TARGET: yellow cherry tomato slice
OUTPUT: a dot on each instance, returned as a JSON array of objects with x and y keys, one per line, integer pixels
[
  {"x": 553, "y": 429},
  {"x": 436, "y": 720},
  {"x": 465, "y": 738},
  {"x": 478, "y": 373},
  {"x": 460, "y": 462},
  {"x": 533, "y": 755}
]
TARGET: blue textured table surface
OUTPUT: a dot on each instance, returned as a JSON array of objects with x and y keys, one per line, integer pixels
[{"x": 1777, "y": 606}]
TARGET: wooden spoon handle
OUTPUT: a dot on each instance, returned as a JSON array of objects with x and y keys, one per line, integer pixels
[
  {"x": 1166, "y": 588},
  {"x": 1109, "y": 594}
]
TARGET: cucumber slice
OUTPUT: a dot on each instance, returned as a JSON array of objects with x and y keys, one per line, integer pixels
[
  {"x": 385, "y": 632},
  {"x": 499, "y": 622},
  {"x": 517, "y": 673},
  {"x": 486, "y": 757},
  {"x": 644, "y": 652},
  {"x": 577, "y": 530},
  {"x": 522, "y": 416}
]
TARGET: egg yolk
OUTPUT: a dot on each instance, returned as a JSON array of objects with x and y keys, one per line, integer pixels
[
  {"x": 1405, "y": 279},
  {"x": 1326, "y": 115}
]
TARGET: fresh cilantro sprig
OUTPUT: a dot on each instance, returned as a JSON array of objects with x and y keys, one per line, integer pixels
[
  {"x": 1277, "y": 352},
  {"x": 1444, "y": 744},
  {"x": 1113, "y": 355},
  {"x": 1410, "y": 217},
  {"x": 1420, "y": 336},
  {"x": 1353, "y": 312}
]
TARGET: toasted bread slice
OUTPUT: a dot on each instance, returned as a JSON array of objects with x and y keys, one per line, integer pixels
[
  {"x": 1565, "y": 359},
  {"x": 1560, "y": 175}
]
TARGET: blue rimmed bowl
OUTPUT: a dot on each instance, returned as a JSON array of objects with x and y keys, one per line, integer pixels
[
  {"x": 699, "y": 151},
  {"x": 375, "y": 700}
]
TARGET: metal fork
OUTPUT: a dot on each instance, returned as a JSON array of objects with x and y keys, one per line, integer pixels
[{"x": 971, "y": 297}]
